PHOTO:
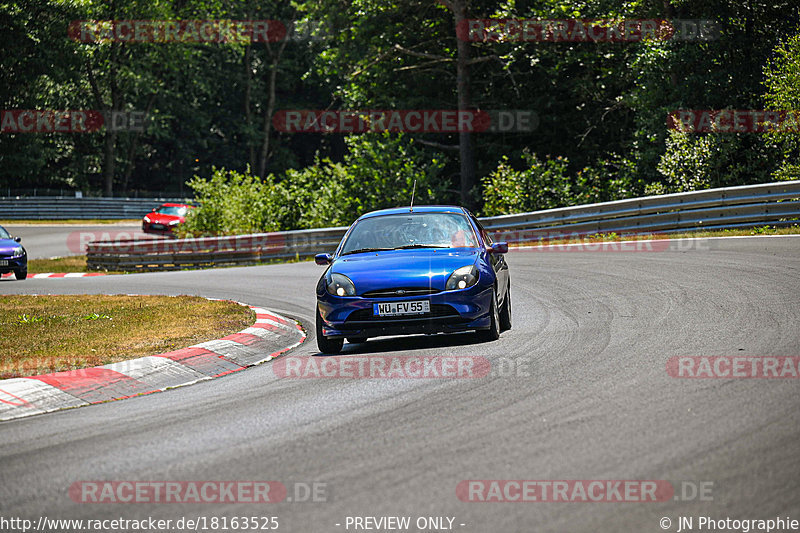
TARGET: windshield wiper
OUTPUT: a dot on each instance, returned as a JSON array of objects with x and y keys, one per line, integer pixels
[
  {"x": 410, "y": 246},
  {"x": 361, "y": 250}
]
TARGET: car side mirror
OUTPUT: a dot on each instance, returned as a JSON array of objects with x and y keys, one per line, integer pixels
[
  {"x": 153, "y": 210},
  {"x": 323, "y": 259},
  {"x": 17, "y": 239},
  {"x": 499, "y": 248}
]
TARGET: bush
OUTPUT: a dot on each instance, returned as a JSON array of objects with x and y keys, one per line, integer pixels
[
  {"x": 787, "y": 172},
  {"x": 547, "y": 184},
  {"x": 377, "y": 172},
  {"x": 696, "y": 161},
  {"x": 686, "y": 164},
  {"x": 782, "y": 82},
  {"x": 235, "y": 203},
  {"x": 607, "y": 180},
  {"x": 542, "y": 185}
]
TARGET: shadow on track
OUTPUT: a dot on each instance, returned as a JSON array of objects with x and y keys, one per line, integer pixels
[{"x": 410, "y": 343}]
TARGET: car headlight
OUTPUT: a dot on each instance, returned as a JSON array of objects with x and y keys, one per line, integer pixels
[
  {"x": 340, "y": 285},
  {"x": 19, "y": 251},
  {"x": 464, "y": 277},
  {"x": 147, "y": 219},
  {"x": 174, "y": 222}
]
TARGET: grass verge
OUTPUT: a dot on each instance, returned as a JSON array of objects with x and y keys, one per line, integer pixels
[
  {"x": 72, "y": 263},
  {"x": 42, "y": 334}
]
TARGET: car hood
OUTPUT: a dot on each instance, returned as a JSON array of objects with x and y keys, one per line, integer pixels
[
  {"x": 403, "y": 268},
  {"x": 158, "y": 218},
  {"x": 7, "y": 246}
]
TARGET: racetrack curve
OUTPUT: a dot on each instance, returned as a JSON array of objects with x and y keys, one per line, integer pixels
[
  {"x": 43, "y": 241},
  {"x": 593, "y": 331}
]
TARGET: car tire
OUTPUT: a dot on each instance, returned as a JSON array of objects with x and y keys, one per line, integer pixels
[
  {"x": 325, "y": 344},
  {"x": 21, "y": 274},
  {"x": 356, "y": 340},
  {"x": 493, "y": 333},
  {"x": 505, "y": 311}
]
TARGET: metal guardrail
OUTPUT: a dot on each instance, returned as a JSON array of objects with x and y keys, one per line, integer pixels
[
  {"x": 727, "y": 207},
  {"x": 772, "y": 204},
  {"x": 201, "y": 252},
  {"x": 65, "y": 208},
  {"x": 62, "y": 192}
]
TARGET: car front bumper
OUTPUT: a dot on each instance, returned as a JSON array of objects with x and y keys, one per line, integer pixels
[
  {"x": 160, "y": 229},
  {"x": 8, "y": 264},
  {"x": 451, "y": 311}
]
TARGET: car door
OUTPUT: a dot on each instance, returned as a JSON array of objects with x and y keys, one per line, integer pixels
[{"x": 498, "y": 261}]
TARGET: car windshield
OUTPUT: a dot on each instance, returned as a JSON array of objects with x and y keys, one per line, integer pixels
[
  {"x": 410, "y": 230},
  {"x": 4, "y": 234},
  {"x": 172, "y": 210}
]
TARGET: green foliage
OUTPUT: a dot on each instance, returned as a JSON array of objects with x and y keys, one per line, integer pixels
[
  {"x": 782, "y": 76},
  {"x": 95, "y": 316},
  {"x": 237, "y": 203},
  {"x": 788, "y": 171},
  {"x": 613, "y": 178},
  {"x": 782, "y": 82},
  {"x": 28, "y": 319},
  {"x": 542, "y": 185},
  {"x": 686, "y": 164},
  {"x": 601, "y": 106},
  {"x": 377, "y": 172},
  {"x": 548, "y": 184},
  {"x": 762, "y": 230},
  {"x": 701, "y": 161}
]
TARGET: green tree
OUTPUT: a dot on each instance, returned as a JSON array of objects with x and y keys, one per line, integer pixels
[
  {"x": 378, "y": 171},
  {"x": 782, "y": 82}
]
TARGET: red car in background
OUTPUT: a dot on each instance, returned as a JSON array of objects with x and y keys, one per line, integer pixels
[{"x": 164, "y": 219}]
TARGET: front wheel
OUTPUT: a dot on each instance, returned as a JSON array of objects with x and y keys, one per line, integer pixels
[
  {"x": 325, "y": 344},
  {"x": 21, "y": 274},
  {"x": 493, "y": 333},
  {"x": 505, "y": 311}
]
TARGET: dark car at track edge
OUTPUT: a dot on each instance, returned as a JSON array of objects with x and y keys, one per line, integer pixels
[{"x": 13, "y": 257}]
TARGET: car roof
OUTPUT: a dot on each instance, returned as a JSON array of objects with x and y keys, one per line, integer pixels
[
  {"x": 416, "y": 209},
  {"x": 175, "y": 205}
]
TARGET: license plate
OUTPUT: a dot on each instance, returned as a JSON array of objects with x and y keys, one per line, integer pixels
[
  {"x": 157, "y": 226},
  {"x": 418, "y": 307},
  {"x": 3, "y": 263}
]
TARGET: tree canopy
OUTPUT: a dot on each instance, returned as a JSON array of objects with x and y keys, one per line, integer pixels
[{"x": 601, "y": 107}]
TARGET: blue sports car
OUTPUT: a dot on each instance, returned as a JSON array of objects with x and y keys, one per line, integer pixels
[
  {"x": 426, "y": 269},
  {"x": 13, "y": 257}
]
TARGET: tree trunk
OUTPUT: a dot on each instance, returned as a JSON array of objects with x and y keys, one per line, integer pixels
[
  {"x": 669, "y": 14},
  {"x": 108, "y": 163},
  {"x": 248, "y": 83},
  {"x": 111, "y": 135},
  {"x": 109, "y": 152},
  {"x": 466, "y": 154},
  {"x": 273, "y": 76},
  {"x": 262, "y": 167},
  {"x": 131, "y": 159}
]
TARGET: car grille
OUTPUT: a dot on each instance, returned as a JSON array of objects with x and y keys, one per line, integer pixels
[
  {"x": 437, "y": 311},
  {"x": 400, "y": 291}
]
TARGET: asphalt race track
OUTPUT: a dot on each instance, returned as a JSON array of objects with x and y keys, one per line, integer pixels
[
  {"x": 579, "y": 391},
  {"x": 43, "y": 241}
]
